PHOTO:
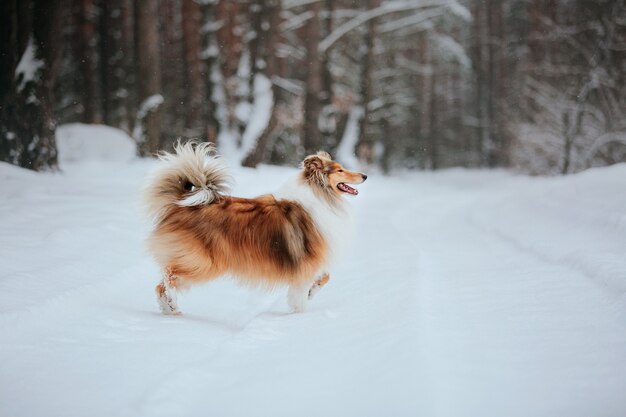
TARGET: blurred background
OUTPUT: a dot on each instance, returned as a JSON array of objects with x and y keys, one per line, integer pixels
[{"x": 536, "y": 85}]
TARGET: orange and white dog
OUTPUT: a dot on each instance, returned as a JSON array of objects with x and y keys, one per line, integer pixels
[{"x": 288, "y": 238}]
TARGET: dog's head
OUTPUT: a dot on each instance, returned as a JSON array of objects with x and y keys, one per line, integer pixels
[{"x": 329, "y": 177}]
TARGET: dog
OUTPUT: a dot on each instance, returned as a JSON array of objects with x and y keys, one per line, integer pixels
[{"x": 287, "y": 238}]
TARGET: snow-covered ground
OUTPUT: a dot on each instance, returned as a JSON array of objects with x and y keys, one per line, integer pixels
[{"x": 466, "y": 293}]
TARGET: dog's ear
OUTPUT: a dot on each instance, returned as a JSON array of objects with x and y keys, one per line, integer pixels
[
  {"x": 313, "y": 163},
  {"x": 324, "y": 154},
  {"x": 314, "y": 172}
]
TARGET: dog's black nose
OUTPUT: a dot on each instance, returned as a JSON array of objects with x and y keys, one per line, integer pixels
[{"x": 364, "y": 177}]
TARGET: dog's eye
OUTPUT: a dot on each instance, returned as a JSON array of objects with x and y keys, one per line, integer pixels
[
  {"x": 341, "y": 170},
  {"x": 189, "y": 186}
]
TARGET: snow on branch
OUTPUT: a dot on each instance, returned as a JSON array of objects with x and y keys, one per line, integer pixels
[
  {"x": 294, "y": 21},
  {"x": 260, "y": 114},
  {"x": 414, "y": 67},
  {"x": 28, "y": 66},
  {"x": 412, "y": 20},
  {"x": 295, "y": 87},
  {"x": 605, "y": 139},
  {"x": 385, "y": 9},
  {"x": 290, "y": 4},
  {"x": 212, "y": 26},
  {"x": 460, "y": 11},
  {"x": 149, "y": 104},
  {"x": 451, "y": 50},
  {"x": 345, "y": 150}
]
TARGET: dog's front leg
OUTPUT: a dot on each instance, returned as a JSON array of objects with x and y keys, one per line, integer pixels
[
  {"x": 318, "y": 284},
  {"x": 166, "y": 294},
  {"x": 297, "y": 297}
]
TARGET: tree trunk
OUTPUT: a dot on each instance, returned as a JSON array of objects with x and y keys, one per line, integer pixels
[
  {"x": 313, "y": 82},
  {"x": 175, "y": 105},
  {"x": 195, "y": 74},
  {"x": 329, "y": 133},
  {"x": 481, "y": 69},
  {"x": 491, "y": 81},
  {"x": 423, "y": 91},
  {"x": 433, "y": 139},
  {"x": 29, "y": 42},
  {"x": 148, "y": 131},
  {"x": 116, "y": 63},
  {"x": 255, "y": 45},
  {"x": 499, "y": 151},
  {"x": 538, "y": 10},
  {"x": 271, "y": 20},
  {"x": 229, "y": 42},
  {"x": 129, "y": 91},
  {"x": 327, "y": 78},
  {"x": 364, "y": 147},
  {"x": 211, "y": 63},
  {"x": 385, "y": 162},
  {"x": 88, "y": 59}
]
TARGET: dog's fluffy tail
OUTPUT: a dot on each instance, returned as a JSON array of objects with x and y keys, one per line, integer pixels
[{"x": 192, "y": 176}]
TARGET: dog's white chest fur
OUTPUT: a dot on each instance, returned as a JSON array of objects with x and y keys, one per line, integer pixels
[{"x": 334, "y": 223}]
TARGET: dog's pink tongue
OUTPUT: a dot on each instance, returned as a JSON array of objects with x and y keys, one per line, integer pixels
[{"x": 345, "y": 187}]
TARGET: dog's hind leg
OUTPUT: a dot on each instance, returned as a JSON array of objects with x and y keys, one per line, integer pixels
[
  {"x": 166, "y": 294},
  {"x": 318, "y": 284},
  {"x": 297, "y": 296}
]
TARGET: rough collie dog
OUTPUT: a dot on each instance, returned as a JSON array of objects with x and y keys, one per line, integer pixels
[{"x": 288, "y": 238}]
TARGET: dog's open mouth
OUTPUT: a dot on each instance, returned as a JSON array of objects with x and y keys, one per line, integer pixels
[{"x": 347, "y": 189}]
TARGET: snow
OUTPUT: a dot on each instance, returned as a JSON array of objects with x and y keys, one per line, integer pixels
[
  {"x": 422, "y": 20},
  {"x": 386, "y": 8},
  {"x": 605, "y": 139},
  {"x": 465, "y": 293},
  {"x": 346, "y": 148},
  {"x": 451, "y": 50},
  {"x": 150, "y": 104},
  {"x": 77, "y": 141},
  {"x": 259, "y": 114},
  {"x": 28, "y": 66},
  {"x": 460, "y": 11},
  {"x": 243, "y": 110}
]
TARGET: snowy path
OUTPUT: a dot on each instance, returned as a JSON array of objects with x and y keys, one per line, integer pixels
[{"x": 465, "y": 294}]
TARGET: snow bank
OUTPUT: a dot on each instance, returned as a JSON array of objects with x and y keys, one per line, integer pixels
[{"x": 79, "y": 142}]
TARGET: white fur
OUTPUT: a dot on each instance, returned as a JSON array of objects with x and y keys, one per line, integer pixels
[
  {"x": 200, "y": 197},
  {"x": 167, "y": 300},
  {"x": 297, "y": 297},
  {"x": 334, "y": 223},
  {"x": 315, "y": 288}
]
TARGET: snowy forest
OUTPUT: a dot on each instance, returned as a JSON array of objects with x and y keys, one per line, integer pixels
[
  {"x": 486, "y": 270},
  {"x": 537, "y": 85}
]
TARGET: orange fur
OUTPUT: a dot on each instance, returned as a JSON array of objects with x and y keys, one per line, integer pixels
[
  {"x": 323, "y": 280},
  {"x": 260, "y": 240}
]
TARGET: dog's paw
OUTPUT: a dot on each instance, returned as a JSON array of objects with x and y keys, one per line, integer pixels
[
  {"x": 314, "y": 290},
  {"x": 168, "y": 305},
  {"x": 298, "y": 309},
  {"x": 169, "y": 311},
  {"x": 297, "y": 303},
  {"x": 317, "y": 285}
]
